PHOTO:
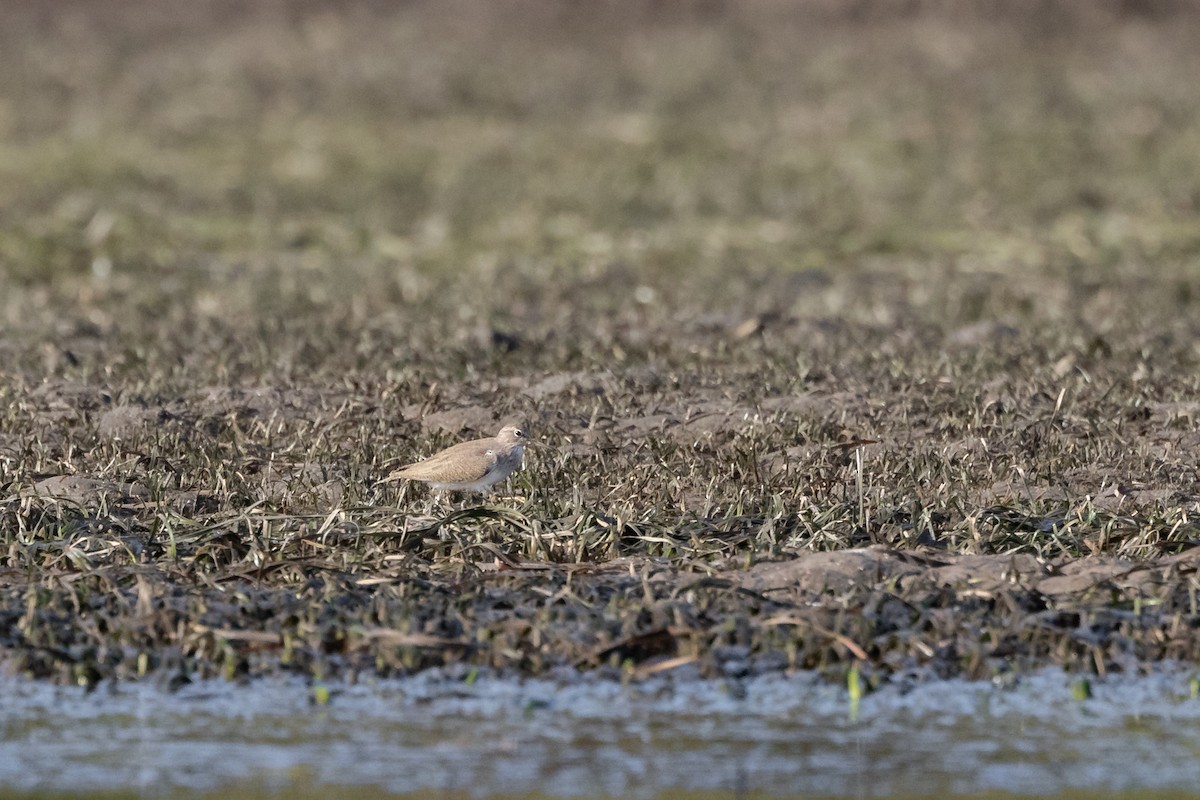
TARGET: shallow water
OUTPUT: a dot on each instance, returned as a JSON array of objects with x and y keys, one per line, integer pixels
[{"x": 438, "y": 736}]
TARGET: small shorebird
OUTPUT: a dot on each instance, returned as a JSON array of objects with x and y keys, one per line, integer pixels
[{"x": 470, "y": 466}]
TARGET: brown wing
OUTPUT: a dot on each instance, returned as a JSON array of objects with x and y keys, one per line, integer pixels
[{"x": 462, "y": 463}]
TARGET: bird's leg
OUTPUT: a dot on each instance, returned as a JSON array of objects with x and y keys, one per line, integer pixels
[
  {"x": 446, "y": 502},
  {"x": 433, "y": 503}
]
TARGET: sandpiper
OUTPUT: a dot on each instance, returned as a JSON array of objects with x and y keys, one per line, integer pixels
[{"x": 470, "y": 466}]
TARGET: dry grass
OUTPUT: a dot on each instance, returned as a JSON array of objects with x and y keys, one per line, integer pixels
[{"x": 764, "y": 281}]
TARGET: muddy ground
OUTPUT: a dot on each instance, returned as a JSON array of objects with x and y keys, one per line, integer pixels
[{"x": 851, "y": 336}]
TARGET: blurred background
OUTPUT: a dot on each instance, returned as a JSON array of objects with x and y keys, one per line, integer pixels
[{"x": 526, "y": 185}]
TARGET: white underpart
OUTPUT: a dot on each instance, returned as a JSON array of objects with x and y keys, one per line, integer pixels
[{"x": 499, "y": 472}]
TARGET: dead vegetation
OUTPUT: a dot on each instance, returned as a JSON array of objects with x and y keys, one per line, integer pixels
[{"x": 850, "y": 338}]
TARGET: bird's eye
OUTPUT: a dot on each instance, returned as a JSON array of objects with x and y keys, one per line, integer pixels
[{"x": 520, "y": 434}]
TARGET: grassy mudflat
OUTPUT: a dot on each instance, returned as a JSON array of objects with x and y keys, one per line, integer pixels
[{"x": 853, "y": 336}]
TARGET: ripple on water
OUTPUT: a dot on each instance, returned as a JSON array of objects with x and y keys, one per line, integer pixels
[{"x": 586, "y": 737}]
